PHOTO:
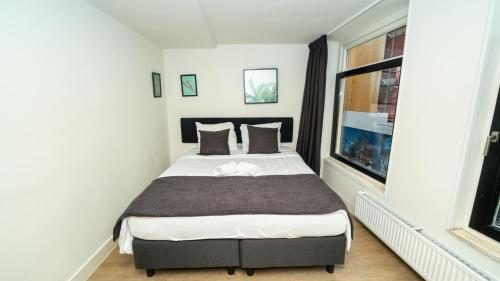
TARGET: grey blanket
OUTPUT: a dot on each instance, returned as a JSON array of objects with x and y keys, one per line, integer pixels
[{"x": 185, "y": 196}]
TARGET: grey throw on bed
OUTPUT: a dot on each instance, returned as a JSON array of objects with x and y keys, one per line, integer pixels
[{"x": 184, "y": 196}]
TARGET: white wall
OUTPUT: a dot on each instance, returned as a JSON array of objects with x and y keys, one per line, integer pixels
[
  {"x": 219, "y": 74},
  {"x": 479, "y": 124},
  {"x": 81, "y": 134},
  {"x": 439, "y": 87}
]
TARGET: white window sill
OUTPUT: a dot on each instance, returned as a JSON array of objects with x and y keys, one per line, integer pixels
[
  {"x": 355, "y": 175},
  {"x": 478, "y": 241}
]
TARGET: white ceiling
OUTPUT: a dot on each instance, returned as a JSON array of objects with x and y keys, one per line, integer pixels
[{"x": 206, "y": 23}]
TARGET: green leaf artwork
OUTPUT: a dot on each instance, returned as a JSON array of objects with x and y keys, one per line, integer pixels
[{"x": 261, "y": 85}]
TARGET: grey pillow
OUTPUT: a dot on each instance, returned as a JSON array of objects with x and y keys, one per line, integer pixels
[
  {"x": 262, "y": 140},
  {"x": 214, "y": 142}
]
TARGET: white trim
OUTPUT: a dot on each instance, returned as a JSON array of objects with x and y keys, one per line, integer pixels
[
  {"x": 478, "y": 241},
  {"x": 84, "y": 272},
  {"x": 340, "y": 117},
  {"x": 355, "y": 16},
  {"x": 392, "y": 25}
]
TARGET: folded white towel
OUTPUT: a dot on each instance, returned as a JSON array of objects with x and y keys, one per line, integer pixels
[
  {"x": 226, "y": 169},
  {"x": 248, "y": 169}
]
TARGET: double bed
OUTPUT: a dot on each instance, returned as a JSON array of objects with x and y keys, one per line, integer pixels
[{"x": 253, "y": 222}]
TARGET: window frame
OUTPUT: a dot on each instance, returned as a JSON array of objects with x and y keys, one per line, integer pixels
[
  {"x": 484, "y": 208},
  {"x": 385, "y": 64},
  {"x": 367, "y": 36},
  {"x": 486, "y": 196}
]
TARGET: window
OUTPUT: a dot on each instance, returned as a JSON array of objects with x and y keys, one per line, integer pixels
[
  {"x": 365, "y": 104},
  {"x": 386, "y": 46},
  {"x": 485, "y": 216}
]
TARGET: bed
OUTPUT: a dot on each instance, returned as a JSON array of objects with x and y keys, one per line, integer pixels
[{"x": 248, "y": 240}]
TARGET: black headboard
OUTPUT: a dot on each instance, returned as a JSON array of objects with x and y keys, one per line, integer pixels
[{"x": 188, "y": 126}]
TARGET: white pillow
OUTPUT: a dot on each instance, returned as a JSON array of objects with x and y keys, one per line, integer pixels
[
  {"x": 232, "y": 142},
  {"x": 244, "y": 133}
]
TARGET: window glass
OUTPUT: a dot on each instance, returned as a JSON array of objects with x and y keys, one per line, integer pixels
[
  {"x": 383, "y": 47},
  {"x": 394, "y": 43},
  {"x": 366, "y": 119}
]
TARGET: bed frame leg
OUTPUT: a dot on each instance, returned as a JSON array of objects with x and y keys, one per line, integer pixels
[
  {"x": 230, "y": 270},
  {"x": 330, "y": 268},
  {"x": 150, "y": 272},
  {"x": 250, "y": 271}
]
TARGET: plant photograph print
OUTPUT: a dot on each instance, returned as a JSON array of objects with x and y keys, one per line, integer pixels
[{"x": 261, "y": 85}]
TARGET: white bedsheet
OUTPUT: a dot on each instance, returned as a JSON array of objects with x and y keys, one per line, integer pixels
[
  {"x": 235, "y": 226},
  {"x": 285, "y": 163}
]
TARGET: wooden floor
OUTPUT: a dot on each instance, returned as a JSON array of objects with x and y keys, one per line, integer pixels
[{"x": 369, "y": 259}]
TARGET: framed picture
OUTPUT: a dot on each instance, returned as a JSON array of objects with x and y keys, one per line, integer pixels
[
  {"x": 188, "y": 85},
  {"x": 156, "y": 85},
  {"x": 260, "y": 85}
]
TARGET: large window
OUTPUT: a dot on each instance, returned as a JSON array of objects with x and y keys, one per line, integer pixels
[{"x": 365, "y": 104}]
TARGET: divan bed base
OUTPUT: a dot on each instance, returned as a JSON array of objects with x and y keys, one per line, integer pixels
[
  {"x": 162, "y": 254},
  {"x": 249, "y": 254}
]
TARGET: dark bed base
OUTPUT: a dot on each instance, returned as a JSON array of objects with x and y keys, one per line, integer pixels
[
  {"x": 248, "y": 254},
  {"x": 152, "y": 255}
]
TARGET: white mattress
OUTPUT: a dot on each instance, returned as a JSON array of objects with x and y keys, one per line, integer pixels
[{"x": 235, "y": 226}]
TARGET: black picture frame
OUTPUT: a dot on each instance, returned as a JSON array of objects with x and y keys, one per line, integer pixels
[
  {"x": 396, "y": 62},
  {"x": 244, "y": 84},
  {"x": 156, "y": 77},
  {"x": 195, "y": 85}
]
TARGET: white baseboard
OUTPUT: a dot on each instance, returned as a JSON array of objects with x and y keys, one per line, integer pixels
[{"x": 84, "y": 272}]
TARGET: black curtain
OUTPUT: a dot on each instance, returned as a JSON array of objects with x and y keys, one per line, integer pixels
[{"x": 313, "y": 103}]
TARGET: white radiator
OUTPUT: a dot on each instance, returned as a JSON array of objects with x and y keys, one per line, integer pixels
[{"x": 428, "y": 257}]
